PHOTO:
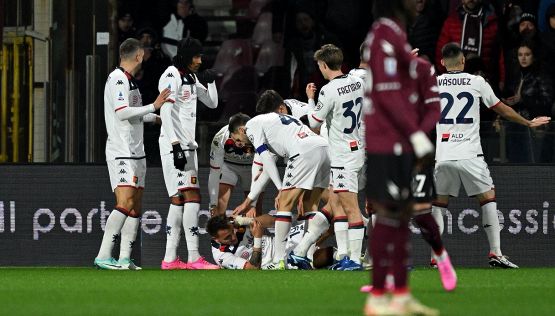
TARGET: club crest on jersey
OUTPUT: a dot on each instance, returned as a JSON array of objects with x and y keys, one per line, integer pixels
[
  {"x": 186, "y": 95},
  {"x": 390, "y": 66},
  {"x": 194, "y": 180},
  {"x": 135, "y": 179}
]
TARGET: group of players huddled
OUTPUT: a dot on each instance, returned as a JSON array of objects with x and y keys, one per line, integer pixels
[{"x": 369, "y": 129}]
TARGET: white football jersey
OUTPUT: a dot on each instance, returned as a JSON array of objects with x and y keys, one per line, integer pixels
[
  {"x": 362, "y": 74},
  {"x": 297, "y": 107},
  {"x": 340, "y": 106},
  {"x": 282, "y": 135},
  {"x": 185, "y": 90},
  {"x": 220, "y": 151},
  {"x": 458, "y": 130},
  {"x": 125, "y": 137}
]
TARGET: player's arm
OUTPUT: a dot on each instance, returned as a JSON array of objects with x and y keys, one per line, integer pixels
[
  {"x": 150, "y": 118},
  {"x": 317, "y": 116},
  {"x": 430, "y": 111},
  {"x": 216, "y": 162},
  {"x": 168, "y": 81},
  {"x": 208, "y": 95},
  {"x": 256, "y": 257},
  {"x": 120, "y": 99},
  {"x": 259, "y": 180}
]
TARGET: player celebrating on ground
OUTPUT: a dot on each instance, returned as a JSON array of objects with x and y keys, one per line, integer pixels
[
  {"x": 178, "y": 151},
  {"x": 459, "y": 156},
  {"x": 124, "y": 114},
  {"x": 340, "y": 105}
]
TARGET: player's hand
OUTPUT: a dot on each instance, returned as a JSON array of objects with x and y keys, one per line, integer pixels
[
  {"x": 310, "y": 90},
  {"x": 240, "y": 209},
  {"x": 276, "y": 200},
  {"x": 213, "y": 210},
  {"x": 256, "y": 229},
  {"x": 162, "y": 98},
  {"x": 179, "y": 160},
  {"x": 251, "y": 212},
  {"x": 414, "y": 52},
  {"x": 421, "y": 144},
  {"x": 539, "y": 121},
  {"x": 208, "y": 76}
]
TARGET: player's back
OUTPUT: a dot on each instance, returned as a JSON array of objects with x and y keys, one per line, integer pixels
[
  {"x": 344, "y": 96},
  {"x": 284, "y": 135},
  {"x": 458, "y": 130}
]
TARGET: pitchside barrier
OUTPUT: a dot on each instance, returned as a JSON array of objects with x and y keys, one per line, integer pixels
[{"x": 54, "y": 215}]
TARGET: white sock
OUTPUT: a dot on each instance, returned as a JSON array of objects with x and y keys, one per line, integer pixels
[
  {"x": 111, "y": 234},
  {"x": 316, "y": 227},
  {"x": 441, "y": 257},
  {"x": 356, "y": 235},
  {"x": 190, "y": 225},
  {"x": 128, "y": 236},
  {"x": 282, "y": 227},
  {"x": 437, "y": 213},
  {"x": 342, "y": 238},
  {"x": 173, "y": 231},
  {"x": 490, "y": 222}
]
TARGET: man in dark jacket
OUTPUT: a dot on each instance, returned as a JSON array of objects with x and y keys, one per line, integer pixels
[{"x": 184, "y": 23}]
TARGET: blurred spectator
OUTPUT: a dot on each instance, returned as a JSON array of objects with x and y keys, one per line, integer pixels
[
  {"x": 548, "y": 42},
  {"x": 474, "y": 25},
  {"x": 185, "y": 22},
  {"x": 308, "y": 37},
  {"x": 424, "y": 32},
  {"x": 154, "y": 64},
  {"x": 126, "y": 27},
  {"x": 543, "y": 13},
  {"x": 533, "y": 97},
  {"x": 283, "y": 16}
]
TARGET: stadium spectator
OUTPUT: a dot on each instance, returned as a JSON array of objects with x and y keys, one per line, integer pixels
[
  {"x": 185, "y": 22},
  {"x": 474, "y": 25},
  {"x": 548, "y": 42},
  {"x": 126, "y": 27},
  {"x": 124, "y": 114},
  {"x": 423, "y": 33},
  {"x": 545, "y": 7},
  {"x": 532, "y": 97}
]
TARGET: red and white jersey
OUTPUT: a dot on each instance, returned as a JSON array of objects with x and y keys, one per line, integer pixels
[
  {"x": 185, "y": 90},
  {"x": 340, "y": 106},
  {"x": 458, "y": 130},
  {"x": 282, "y": 135},
  {"x": 125, "y": 137},
  {"x": 223, "y": 149},
  {"x": 362, "y": 73}
]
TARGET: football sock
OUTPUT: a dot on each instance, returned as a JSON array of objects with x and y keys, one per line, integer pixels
[
  {"x": 317, "y": 225},
  {"x": 400, "y": 257},
  {"x": 430, "y": 231},
  {"x": 173, "y": 231},
  {"x": 437, "y": 213},
  {"x": 490, "y": 222},
  {"x": 341, "y": 228},
  {"x": 190, "y": 226},
  {"x": 282, "y": 227},
  {"x": 380, "y": 240},
  {"x": 356, "y": 235},
  {"x": 128, "y": 236},
  {"x": 111, "y": 233}
]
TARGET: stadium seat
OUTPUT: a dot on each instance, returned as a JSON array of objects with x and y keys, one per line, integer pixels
[
  {"x": 270, "y": 55},
  {"x": 238, "y": 79},
  {"x": 262, "y": 30},
  {"x": 233, "y": 52}
]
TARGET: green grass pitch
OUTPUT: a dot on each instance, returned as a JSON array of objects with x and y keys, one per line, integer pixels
[{"x": 86, "y": 291}]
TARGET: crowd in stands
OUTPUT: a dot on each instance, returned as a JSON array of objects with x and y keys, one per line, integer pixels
[{"x": 509, "y": 42}]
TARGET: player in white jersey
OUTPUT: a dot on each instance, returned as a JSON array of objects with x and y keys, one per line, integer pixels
[
  {"x": 307, "y": 167},
  {"x": 125, "y": 114},
  {"x": 178, "y": 152},
  {"x": 230, "y": 165},
  {"x": 340, "y": 105},
  {"x": 459, "y": 156}
]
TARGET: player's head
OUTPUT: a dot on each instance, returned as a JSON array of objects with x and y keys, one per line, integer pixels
[
  {"x": 236, "y": 126},
  {"x": 329, "y": 58},
  {"x": 452, "y": 57},
  {"x": 404, "y": 10},
  {"x": 270, "y": 101},
  {"x": 221, "y": 230},
  {"x": 189, "y": 55},
  {"x": 131, "y": 50}
]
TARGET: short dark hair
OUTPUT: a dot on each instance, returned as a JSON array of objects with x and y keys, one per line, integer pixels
[
  {"x": 237, "y": 120},
  {"x": 216, "y": 224},
  {"x": 269, "y": 101},
  {"x": 451, "y": 50},
  {"x": 129, "y": 47},
  {"x": 331, "y": 55}
]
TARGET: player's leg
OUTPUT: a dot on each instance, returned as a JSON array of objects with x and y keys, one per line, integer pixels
[
  {"x": 340, "y": 228},
  {"x": 224, "y": 194},
  {"x": 287, "y": 199}
]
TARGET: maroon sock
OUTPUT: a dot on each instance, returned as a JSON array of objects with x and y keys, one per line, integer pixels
[
  {"x": 430, "y": 231},
  {"x": 400, "y": 256},
  {"x": 381, "y": 238}
]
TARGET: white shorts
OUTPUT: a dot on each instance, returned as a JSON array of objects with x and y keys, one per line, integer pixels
[
  {"x": 234, "y": 175},
  {"x": 177, "y": 180},
  {"x": 362, "y": 176},
  {"x": 127, "y": 173},
  {"x": 347, "y": 172},
  {"x": 473, "y": 173},
  {"x": 308, "y": 170}
]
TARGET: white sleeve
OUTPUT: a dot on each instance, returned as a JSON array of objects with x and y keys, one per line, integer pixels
[
  {"x": 320, "y": 112},
  {"x": 270, "y": 168},
  {"x": 121, "y": 101},
  {"x": 208, "y": 96},
  {"x": 227, "y": 260},
  {"x": 127, "y": 112},
  {"x": 149, "y": 118},
  {"x": 311, "y": 105},
  {"x": 489, "y": 97},
  {"x": 168, "y": 81},
  {"x": 216, "y": 162},
  {"x": 258, "y": 185}
]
